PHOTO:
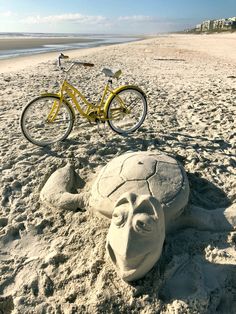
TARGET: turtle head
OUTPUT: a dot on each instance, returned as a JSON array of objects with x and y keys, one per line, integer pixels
[{"x": 136, "y": 235}]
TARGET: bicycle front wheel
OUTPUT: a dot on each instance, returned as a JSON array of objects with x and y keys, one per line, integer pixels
[
  {"x": 127, "y": 110},
  {"x": 45, "y": 121}
]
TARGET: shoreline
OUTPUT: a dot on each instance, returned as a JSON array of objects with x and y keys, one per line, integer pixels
[
  {"x": 30, "y": 43},
  {"x": 23, "y": 62},
  {"x": 200, "y": 44},
  {"x": 11, "y": 47}
]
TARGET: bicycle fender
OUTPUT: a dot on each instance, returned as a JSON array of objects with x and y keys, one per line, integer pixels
[
  {"x": 50, "y": 95},
  {"x": 119, "y": 89},
  {"x": 58, "y": 96}
]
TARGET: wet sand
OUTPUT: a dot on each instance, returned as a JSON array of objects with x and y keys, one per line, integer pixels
[{"x": 29, "y": 43}]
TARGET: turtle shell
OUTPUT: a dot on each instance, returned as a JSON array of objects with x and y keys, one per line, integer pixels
[{"x": 150, "y": 173}]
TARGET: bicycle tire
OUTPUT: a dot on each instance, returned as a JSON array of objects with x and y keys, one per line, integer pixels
[
  {"x": 123, "y": 120},
  {"x": 34, "y": 122}
]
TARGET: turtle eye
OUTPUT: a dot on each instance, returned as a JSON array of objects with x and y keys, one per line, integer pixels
[
  {"x": 118, "y": 219},
  {"x": 143, "y": 223}
]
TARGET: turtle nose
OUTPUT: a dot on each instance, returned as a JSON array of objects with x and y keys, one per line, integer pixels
[{"x": 127, "y": 247}]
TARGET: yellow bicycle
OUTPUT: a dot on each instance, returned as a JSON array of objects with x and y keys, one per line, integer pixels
[{"x": 50, "y": 117}]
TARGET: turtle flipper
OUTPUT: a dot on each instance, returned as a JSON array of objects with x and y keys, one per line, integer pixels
[
  {"x": 220, "y": 219},
  {"x": 70, "y": 201},
  {"x": 229, "y": 215},
  {"x": 57, "y": 191}
]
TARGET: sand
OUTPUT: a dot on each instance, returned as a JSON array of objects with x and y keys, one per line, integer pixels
[
  {"x": 29, "y": 43},
  {"x": 54, "y": 261}
]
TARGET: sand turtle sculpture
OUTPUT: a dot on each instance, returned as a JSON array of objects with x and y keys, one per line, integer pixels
[{"x": 145, "y": 195}]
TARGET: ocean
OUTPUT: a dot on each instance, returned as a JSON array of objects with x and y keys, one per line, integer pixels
[{"x": 23, "y": 44}]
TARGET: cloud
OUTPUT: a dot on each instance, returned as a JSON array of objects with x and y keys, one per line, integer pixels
[
  {"x": 136, "y": 18},
  {"x": 129, "y": 23},
  {"x": 7, "y": 14},
  {"x": 85, "y": 19},
  {"x": 71, "y": 17}
]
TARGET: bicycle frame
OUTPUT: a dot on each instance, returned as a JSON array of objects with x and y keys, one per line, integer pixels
[
  {"x": 99, "y": 110},
  {"x": 93, "y": 112},
  {"x": 74, "y": 93}
]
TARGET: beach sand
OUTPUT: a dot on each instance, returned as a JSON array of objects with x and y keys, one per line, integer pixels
[
  {"x": 54, "y": 261},
  {"x": 28, "y": 43}
]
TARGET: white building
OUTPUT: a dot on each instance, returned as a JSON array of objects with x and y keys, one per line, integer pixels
[
  {"x": 218, "y": 24},
  {"x": 207, "y": 25},
  {"x": 198, "y": 27}
]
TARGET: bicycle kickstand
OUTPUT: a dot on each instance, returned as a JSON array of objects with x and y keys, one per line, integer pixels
[{"x": 98, "y": 128}]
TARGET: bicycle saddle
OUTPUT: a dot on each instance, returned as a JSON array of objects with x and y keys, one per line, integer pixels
[{"x": 111, "y": 73}]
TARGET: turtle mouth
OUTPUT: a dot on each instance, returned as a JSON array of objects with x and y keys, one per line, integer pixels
[{"x": 128, "y": 267}]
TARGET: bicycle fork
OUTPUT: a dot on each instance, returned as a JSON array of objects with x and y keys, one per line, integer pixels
[{"x": 53, "y": 112}]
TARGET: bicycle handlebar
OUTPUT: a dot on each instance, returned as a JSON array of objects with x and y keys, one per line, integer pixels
[
  {"x": 87, "y": 64},
  {"x": 62, "y": 56}
]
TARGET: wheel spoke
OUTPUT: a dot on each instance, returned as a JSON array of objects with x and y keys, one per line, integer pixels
[
  {"x": 45, "y": 121},
  {"x": 127, "y": 111}
]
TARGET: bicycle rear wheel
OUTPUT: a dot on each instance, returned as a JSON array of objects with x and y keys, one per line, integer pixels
[
  {"x": 127, "y": 110},
  {"x": 43, "y": 124}
]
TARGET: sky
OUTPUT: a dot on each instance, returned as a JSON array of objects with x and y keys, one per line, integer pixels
[{"x": 109, "y": 16}]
